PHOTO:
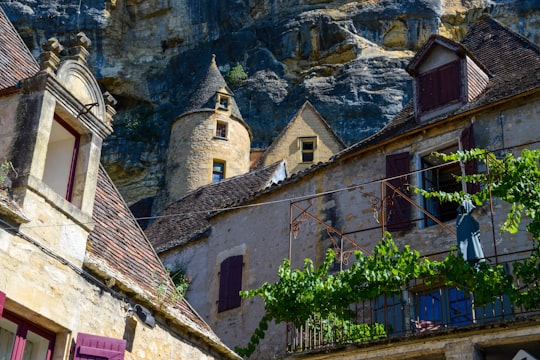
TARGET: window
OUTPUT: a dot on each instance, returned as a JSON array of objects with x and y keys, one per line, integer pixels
[
  {"x": 230, "y": 283},
  {"x": 388, "y": 310},
  {"x": 439, "y": 177},
  {"x": 21, "y": 340},
  {"x": 218, "y": 171},
  {"x": 224, "y": 102},
  {"x": 435, "y": 308},
  {"x": 61, "y": 161},
  {"x": 221, "y": 129},
  {"x": 307, "y": 148},
  {"x": 439, "y": 87}
]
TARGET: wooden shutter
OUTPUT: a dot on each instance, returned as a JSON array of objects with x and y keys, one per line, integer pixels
[
  {"x": 94, "y": 347},
  {"x": 426, "y": 91},
  {"x": 398, "y": 208},
  {"x": 230, "y": 283},
  {"x": 2, "y": 302},
  {"x": 471, "y": 167},
  {"x": 449, "y": 83}
]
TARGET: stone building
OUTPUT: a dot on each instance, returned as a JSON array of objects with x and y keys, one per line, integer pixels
[
  {"x": 306, "y": 140},
  {"x": 483, "y": 91},
  {"x": 78, "y": 277}
]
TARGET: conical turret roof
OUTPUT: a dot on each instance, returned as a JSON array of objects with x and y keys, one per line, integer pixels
[{"x": 204, "y": 97}]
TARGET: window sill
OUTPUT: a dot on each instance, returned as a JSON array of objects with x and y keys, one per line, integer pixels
[
  {"x": 220, "y": 138},
  {"x": 10, "y": 211}
]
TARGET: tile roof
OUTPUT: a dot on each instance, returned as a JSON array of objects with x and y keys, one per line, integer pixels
[
  {"x": 120, "y": 243},
  {"x": 188, "y": 218},
  {"x": 16, "y": 61},
  {"x": 513, "y": 63}
]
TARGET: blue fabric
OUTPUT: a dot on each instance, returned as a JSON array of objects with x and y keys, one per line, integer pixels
[{"x": 468, "y": 233}]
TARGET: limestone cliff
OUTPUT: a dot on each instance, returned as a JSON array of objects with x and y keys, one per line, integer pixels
[{"x": 346, "y": 57}]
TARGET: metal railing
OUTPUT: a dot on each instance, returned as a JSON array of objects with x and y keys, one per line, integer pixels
[{"x": 414, "y": 310}]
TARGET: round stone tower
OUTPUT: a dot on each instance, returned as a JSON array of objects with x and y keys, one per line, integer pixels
[{"x": 210, "y": 141}]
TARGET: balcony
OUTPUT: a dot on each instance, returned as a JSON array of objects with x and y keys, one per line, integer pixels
[{"x": 414, "y": 312}]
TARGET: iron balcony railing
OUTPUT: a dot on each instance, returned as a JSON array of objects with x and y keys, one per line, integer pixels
[{"x": 415, "y": 310}]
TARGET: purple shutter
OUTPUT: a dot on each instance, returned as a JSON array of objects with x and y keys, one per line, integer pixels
[
  {"x": 230, "y": 283},
  {"x": 2, "y": 302},
  {"x": 471, "y": 167},
  {"x": 426, "y": 91},
  {"x": 398, "y": 208},
  {"x": 94, "y": 347}
]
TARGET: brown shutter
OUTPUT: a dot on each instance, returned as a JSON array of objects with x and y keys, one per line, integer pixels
[
  {"x": 230, "y": 283},
  {"x": 426, "y": 91},
  {"x": 398, "y": 208},
  {"x": 471, "y": 167}
]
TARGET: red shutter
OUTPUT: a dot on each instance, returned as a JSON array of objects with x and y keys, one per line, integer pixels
[
  {"x": 398, "y": 208},
  {"x": 230, "y": 283},
  {"x": 2, "y": 302},
  {"x": 449, "y": 83},
  {"x": 94, "y": 347},
  {"x": 426, "y": 91},
  {"x": 471, "y": 167}
]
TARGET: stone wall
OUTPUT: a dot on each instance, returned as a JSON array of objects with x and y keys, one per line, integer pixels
[{"x": 33, "y": 280}]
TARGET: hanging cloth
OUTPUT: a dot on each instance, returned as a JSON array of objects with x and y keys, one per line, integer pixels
[{"x": 468, "y": 234}]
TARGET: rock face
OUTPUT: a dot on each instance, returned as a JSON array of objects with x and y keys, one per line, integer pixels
[{"x": 345, "y": 57}]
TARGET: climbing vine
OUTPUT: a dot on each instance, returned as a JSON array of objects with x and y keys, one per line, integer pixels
[{"x": 300, "y": 295}]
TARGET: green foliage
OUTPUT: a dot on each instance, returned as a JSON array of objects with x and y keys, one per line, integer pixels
[
  {"x": 236, "y": 75},
  {"x": 4, "y": 170}
]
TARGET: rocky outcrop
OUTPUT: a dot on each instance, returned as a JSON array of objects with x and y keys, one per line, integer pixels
[{"x": 346, "y": 57}]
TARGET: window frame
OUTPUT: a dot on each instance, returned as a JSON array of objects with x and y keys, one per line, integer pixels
[
  {"x": 21, "y": 335},
  {"x": 429, "y": 172},
  {"x": 223, "y": 102},
  {"x": 68, "y": 194},
  {"x": 433, "y": 90},
  {"x": 221, "y": 173},
  {"x": 222, "y": 130},
  {"x": 307, "y": 151}
]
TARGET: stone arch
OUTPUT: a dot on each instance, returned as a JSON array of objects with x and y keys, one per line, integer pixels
[{"x": 81, "y": 83}]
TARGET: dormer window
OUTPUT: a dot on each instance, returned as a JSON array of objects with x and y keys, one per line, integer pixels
[
  {"x": 224, "y": 102},
  {"x": 61, "y": 160},
  {"x": 307, "y": 148},
  {"x": 439, "y": 87},
  {"x": 446, "y": 76}
]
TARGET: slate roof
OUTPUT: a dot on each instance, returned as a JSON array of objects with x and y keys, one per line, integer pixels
[
  {"x": 188, "y": 218},
  {"x": 16, "y": 61},
  {"x": 203, "y": 98},
  {"x": 118, "y": 240},
  {"x": 513, "y": 63}
]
